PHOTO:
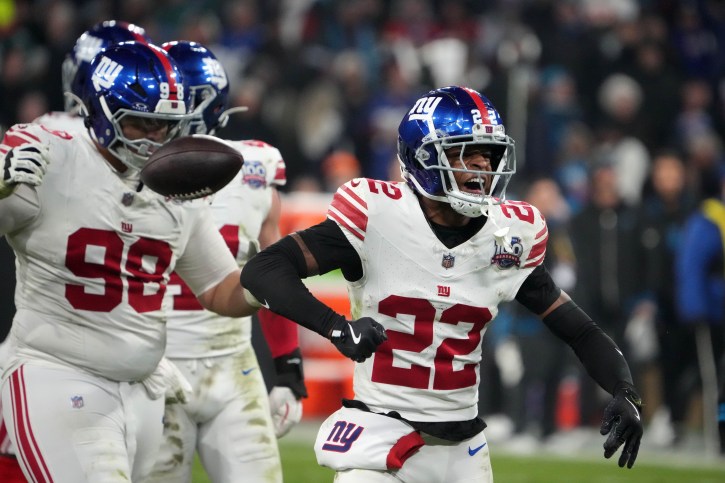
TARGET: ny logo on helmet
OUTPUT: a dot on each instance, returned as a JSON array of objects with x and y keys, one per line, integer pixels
[
  {"x": 105, "y": 73},
  {"x": 216, "y": 72},
  {"x": 424, "y": 108}
]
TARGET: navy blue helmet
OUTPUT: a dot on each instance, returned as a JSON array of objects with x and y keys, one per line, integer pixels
[
  {"x": 207, "y": 82},
  {"x": 140, "y": 81},
  {"x": 100, "y": 36},
  {"x": 454, "y": 117}
]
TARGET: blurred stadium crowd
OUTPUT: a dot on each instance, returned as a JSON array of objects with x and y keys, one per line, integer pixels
[{"x": 617, "y": 107}]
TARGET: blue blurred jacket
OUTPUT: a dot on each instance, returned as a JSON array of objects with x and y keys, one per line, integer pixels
[{"x": 700, "y": 266}]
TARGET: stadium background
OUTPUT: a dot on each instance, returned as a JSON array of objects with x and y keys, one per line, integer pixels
[{"x": 578, "y": 83}]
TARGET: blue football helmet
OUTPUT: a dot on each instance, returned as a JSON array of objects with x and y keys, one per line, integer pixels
[
  {"x": 100, "y": 36},
  {"x": 207, "y": 81},
  {"x": 455, "y": 117},
  {"x": 139, "y": 84}
]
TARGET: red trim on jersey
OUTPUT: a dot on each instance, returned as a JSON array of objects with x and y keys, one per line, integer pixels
[
  {"x": 344, "y": 223},
  {"x": 403, "y": 449},
  {"x": 479, "y": 104},
  {"x": 280, "y": 332},
  {"x": 352, "y": 212},
  {"x": 14, "y": 138},
  {"x": 10, "y": 471},
  {"x": 281, "y": 173},
  {"x": 539, "y": 248},
  {"x": 168, "y": 68},
  {"x": 542, "y": 232},
  {"x": 354, "y": 195},
  {"x": 27, "y": 445}
]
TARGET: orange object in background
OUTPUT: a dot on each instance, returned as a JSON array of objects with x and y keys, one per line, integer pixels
[{"x": 328, "y": 374}]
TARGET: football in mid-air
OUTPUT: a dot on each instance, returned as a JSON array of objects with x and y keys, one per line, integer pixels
[{"x": 191, "y": 167}]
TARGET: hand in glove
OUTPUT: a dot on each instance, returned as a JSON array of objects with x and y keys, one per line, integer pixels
[
  {"x": 26, "y": 163},
  {"x": 357, "y": 339},
  {"x": 286, "y": 409},
  {"x": 285, "y": 398},
  {"x": 623, "y": 423}
]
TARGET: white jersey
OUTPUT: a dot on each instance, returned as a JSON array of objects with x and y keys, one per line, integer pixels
[
  {"x": 93, "y": 264},
  {"x": 62, "y": 121},
  {"x": 238, "y": 210},
  {"x": 434, "y": 302}
]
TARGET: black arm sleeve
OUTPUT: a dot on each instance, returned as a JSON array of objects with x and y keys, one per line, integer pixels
[
  {"x": 598, "y": 353},
  {"x": 538, "y": 291},
  {"x": 274, "y": 276}
]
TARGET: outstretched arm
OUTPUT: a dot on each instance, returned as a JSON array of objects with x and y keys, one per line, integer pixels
[
  {"x": 274, "y": 277},
  {"x": 599, "y": 355}
]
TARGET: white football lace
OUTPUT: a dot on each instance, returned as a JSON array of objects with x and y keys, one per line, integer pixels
[{"x": 193, "y": 195}]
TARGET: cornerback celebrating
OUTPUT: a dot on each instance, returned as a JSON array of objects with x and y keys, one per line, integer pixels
[
  {"x": 427, "y": 262},
  {"x": 83, "y": 382}
]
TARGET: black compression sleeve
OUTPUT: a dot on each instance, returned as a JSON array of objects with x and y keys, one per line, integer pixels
[
  {"x": 274, "y": 277},
  {"x": 538, "y": 291},
  {"x": 331, "y": 249},
  {"x": 598, "y": 353}
]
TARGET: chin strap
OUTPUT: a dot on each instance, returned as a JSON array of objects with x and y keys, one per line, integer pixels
[{"x": 501, "y": 233}]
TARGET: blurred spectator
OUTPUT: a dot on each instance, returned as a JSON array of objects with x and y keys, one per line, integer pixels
[
  {"x": 700, "y": 268},
  {"x": 654, "y": 333},
  {"x": 704, "y": 155},
  {"x": 573, "y": 165},
  {"x": 620, "y": 98},
  {"x": 552, "y": 112},
  {"x": 608, "y": 277},
  {"x": 543, "y": 362}
]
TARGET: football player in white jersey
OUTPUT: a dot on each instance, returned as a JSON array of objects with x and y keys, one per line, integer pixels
[
  {"x": 74, "y": 74},
  {"x": 83, "y": 383},
  {"x": 428, "y": 261},
  {"x": 227, "y": 418}
]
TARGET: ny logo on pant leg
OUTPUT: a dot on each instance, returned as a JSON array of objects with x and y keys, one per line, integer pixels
[{"x": 342, "y": 436}]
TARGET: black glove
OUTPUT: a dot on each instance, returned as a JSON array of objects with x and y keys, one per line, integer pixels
[
  {"x": 290, "y": 374},
  {"x": 623, "y": 423},
  {"x": 357, "y": 339}
]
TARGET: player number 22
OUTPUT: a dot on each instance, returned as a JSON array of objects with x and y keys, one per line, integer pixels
[{"x": 417, "y": 376}]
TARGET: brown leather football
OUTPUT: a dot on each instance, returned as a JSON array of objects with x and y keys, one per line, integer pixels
[{"x": 191, "y": 167}]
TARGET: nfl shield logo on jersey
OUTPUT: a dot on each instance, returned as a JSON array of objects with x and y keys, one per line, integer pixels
[
  {"x": 448, "y": 261},
  {"x": 76, "y": 402}
]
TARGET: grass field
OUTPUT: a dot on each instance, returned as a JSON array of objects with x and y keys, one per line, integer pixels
[{"x": 300, "y": 467}]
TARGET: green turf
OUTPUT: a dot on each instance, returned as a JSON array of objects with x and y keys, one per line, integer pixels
[{"x": 300, "y": 467}]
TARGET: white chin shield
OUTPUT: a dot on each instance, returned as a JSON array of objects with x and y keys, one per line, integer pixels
[{"x": 465, "y": 208}]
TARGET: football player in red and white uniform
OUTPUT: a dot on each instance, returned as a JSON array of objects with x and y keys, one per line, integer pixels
[
  {"x": 227, "y": 419},
  {"x": 427, "y": 262},
  {"x": 84, "y": 379},
  {"x": 74, "y": 75}
]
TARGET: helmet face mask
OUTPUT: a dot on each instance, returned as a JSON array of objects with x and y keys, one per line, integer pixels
[
  {"x": 207, "y": 82},
  {"x": 137, "y": 85},
  {"x": 454, "y": 119}
]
